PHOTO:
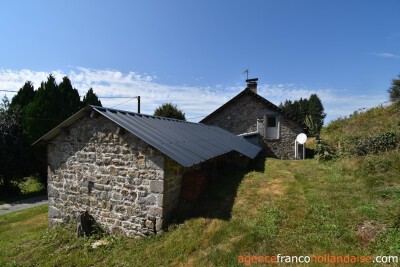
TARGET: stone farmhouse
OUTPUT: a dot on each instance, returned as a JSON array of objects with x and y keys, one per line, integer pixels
[
  {"x": 125, "y": 169},
  {"x": 258, "y": 120}
]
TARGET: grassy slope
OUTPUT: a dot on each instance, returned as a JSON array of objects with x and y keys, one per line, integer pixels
[
  {"x": 368, "y": 123},
  {"x": 291, "y": 208}
]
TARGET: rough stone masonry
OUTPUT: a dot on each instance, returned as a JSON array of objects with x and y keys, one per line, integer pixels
[
  {"x": 241, "y": 117},
  {"x": 125, "y": 184}
]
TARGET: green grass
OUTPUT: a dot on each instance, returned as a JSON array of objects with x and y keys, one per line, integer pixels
[
  {"x": 371, "y": 122},
  {"x": 288, "y": 207},
  {"x": 29, "y": 187}
]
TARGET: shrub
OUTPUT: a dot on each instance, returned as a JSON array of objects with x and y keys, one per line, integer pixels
[
  {"x": 322, "y": 150},
  {"x": 374, "y": 145},
  {"x": 30, "y": 185}
]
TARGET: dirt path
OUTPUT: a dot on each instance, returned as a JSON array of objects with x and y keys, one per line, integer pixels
[{"x": 23, "y": 204}]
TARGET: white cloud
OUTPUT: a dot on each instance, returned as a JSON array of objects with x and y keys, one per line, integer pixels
[
  {"x": 386, "y": 55},
  {"x": 195, "y": 101}
]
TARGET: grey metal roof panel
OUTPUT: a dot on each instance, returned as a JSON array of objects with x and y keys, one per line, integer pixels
[{"x": 185, "y": 142}]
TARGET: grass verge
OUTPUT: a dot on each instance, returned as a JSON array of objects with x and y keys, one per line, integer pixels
[{"x": 288, "y": 208}]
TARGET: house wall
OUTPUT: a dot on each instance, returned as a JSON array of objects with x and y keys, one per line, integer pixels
[
  {"x": 241, "y": 117},
  {"x": 127, "y": 186},
  {"x": 283, "y": 147}
]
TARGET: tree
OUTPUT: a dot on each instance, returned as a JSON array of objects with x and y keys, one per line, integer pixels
[
  {"x": 170, "y": 110},
  {"x": 68, "y": 98},
  {"x": 316, "y": 111},
  {"x": 91, "y": 99},
  {"x": 24, "y": 96},
  {"x": 22, "y": 99},
  {"x": 394, "y": 90},
  {"x": 53, "y": 104},
  {"x": 12, "y": 146},
  {"x": 297, "y": 108},
  {"x": 310, "y": 111}
]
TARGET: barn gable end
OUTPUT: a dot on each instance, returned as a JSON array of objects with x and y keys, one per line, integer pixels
[{"x": 117, "y": 178}]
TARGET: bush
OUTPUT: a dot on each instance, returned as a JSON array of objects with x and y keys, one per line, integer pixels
[
  {"x": 374, "y": 145},
  {"x": 30, "y": 185},
  {"x": 322, "y": 150}
]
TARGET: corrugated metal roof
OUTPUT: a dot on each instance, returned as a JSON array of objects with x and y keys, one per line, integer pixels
[{"x": 185, "y": 142}]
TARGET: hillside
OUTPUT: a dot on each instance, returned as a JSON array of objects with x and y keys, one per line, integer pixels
[{"x": 369, "y": 123}]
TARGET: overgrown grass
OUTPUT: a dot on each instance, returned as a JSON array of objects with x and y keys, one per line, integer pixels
[
  {"x": 29, "y": 187},
  {"x": 289, "y": 208},
  {"x": 367, "y": 123}
]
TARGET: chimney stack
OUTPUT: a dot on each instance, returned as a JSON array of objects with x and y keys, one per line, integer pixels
[{"x": 252, "y": 84}]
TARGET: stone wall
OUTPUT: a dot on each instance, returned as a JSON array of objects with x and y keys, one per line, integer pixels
[
  {"x": 241, "y": 117},
  {"x": 283, "y": 147},
  {"x": 173, "y": 173},
  {"x": 119, "y": 179}
]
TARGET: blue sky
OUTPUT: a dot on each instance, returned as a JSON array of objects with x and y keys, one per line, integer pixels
[{"x": 193, "y": 53}]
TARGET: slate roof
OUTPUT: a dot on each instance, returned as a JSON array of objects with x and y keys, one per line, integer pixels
[{"x": 185, "y": 142}]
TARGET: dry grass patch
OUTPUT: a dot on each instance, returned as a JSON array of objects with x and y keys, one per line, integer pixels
[{"x": 275, "y": 187}]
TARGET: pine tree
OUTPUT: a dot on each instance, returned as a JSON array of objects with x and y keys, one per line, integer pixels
[
  {"x": 316, "y": 112},
  {"x": 24, "y": 96},
  {"x": 297, "y": 108},
  {"x": 310, "y": 109},
  {"x": 53, "y": 104},
  {"x": 69, "y": 100}
]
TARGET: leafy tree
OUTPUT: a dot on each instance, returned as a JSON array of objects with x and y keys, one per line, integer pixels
[
  {"x": 91, "y": 99},
  {"x": 394, "y": 90},
  {"x": 170, "y": 110},
  {"x": 12, "y": 146}
]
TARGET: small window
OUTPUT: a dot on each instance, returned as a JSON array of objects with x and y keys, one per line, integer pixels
[{"x": 271, "y": 122}]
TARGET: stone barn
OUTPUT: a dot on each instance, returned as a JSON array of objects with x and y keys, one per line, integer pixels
[
  {"x": 259, "y": 121},
  {"x": 125, "y": 169}
]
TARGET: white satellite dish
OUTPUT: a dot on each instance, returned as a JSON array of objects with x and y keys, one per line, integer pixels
[{"x": 301, "y": 138}]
